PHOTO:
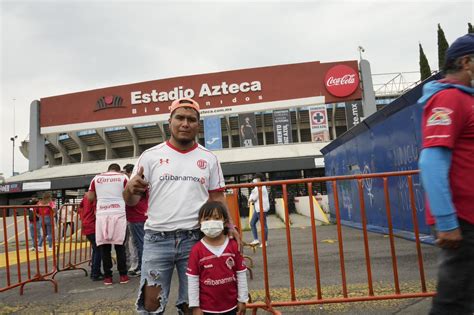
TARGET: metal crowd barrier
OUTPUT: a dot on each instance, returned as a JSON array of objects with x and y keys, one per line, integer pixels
[
  {"x": 269, "y": 304},
  {"x": 73, "y": 248},
  {"x": 22, "y": 262}
]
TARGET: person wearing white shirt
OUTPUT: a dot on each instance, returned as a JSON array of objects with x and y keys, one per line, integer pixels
[{"x": 254, "y": 199}]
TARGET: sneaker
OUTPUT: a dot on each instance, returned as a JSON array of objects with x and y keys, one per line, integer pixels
[
  {"x": 134, "y": 273},
  {"x": 124, "y": 279},
  {"x": 108, "y": 281},
  {"x": 50, "y": 249},
  {"x": 40, "y": 249},
  {"x": 32, "y": 249},
  {"x": 255, "y": 242},
  {"x": 266, "y": 244}
]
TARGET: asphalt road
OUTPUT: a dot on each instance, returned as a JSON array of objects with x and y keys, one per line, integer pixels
[{"x": 77, "y": 294}]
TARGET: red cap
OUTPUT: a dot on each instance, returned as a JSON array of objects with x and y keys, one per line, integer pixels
[{"x": 184, "y": 102}]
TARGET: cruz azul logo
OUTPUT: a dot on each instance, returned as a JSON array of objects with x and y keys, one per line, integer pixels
[
  {"x": 341, "y": 80},
  {"x": 202, "y": 164},
  {"x": 106, "y": 102}
]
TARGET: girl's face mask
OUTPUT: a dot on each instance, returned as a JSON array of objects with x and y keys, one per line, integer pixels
[{"x": 212, "y": 228}]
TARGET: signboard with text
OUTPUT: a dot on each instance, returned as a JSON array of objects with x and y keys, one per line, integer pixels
[
  {"x": 318, "y": 118},
  {"x": 282, "y": 127},
  {"x": 353, "y": 113},
  {"x": 229, "y": 92}
]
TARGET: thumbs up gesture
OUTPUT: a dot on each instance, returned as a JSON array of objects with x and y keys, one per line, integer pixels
[{"x": 136, "y": 187}]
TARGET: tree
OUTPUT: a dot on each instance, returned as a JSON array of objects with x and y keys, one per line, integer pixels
[
  {"x": 442, "y": 47},
  {"x": 425, "y": 70},
  {"x": 470, "y": 29}
]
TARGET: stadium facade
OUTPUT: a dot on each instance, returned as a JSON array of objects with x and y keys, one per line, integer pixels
[{"x": 271, "y": 119}]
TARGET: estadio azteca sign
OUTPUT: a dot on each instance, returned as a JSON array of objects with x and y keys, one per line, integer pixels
[
  {"x": 206, "y": 90},
  {"x": 220, "y": 93},
  {"x": 341, "y": 80}
]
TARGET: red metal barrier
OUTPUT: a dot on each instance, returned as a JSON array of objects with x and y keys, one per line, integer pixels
[
  {"x": 73, "y": 248},
  {"x": 21, "y": 266},
  {"x": 269, "y": 305}
]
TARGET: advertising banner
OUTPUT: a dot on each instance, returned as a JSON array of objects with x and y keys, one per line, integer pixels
[
  {"x": 282, "y": 126},
  {"x": 353, "y": 113},
  {"x": 212, "y": 133},
  {"x": 318, "y": 118},
  {"x": 219, "y": 93},
  {"x": 248, "y": 130}
]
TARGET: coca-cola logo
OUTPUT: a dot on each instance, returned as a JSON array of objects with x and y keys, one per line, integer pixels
[{"x": 341, "y": 80}]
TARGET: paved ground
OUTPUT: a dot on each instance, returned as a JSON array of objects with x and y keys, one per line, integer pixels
[{"x": 78, "y": 295}]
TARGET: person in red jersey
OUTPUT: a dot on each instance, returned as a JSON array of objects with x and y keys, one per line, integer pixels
[
  {"x": 217, "y": 280},
  {"x": 87, "y": 213},
  {"x": 447, "y": 169}
]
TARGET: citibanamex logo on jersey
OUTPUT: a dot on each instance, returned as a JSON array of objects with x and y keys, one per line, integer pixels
[{"x": 341, "y": 80}]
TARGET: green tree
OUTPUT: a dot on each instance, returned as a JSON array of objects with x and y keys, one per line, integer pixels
[
  {"x": 470, "y": 29},
  {"x": 442, "y": 47},
  {"x": 425, "y": 70}
]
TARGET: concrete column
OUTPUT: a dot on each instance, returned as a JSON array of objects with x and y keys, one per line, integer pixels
[
  {"x": 162, "y": 131},
  {"x": 82, "y": 146},
  {"x": 368, "y": 95},
  {"x": 54, "y": 140},
  {"x": 263, "y": 128},
  {"x": 298, "y": 128},
  {"x": 109, "y": 152},
  {"x": 136, "y": 149},
  {"x": 36, "y": 149},
  {"x": 229, "y": 131},
  {"x": 50, "y": 156}
]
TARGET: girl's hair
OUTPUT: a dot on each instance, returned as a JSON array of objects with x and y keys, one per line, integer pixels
[
  {"x": 46, "y": 198},
  {"x": 210, "y": 207}
]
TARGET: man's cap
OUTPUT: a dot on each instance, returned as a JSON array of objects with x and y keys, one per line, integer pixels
[
  {"x": 462, "y": 46},
  {"x": 184, "y": 102}
]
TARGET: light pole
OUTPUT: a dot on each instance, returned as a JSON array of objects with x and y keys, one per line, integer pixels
[
  {"x": 361, "y": 50},
  {"x": 12, "y": 139}
]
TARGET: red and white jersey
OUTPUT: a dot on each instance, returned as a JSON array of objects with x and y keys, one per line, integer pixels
[
  {"x": 179, "y": 184},
  {"x": 108, "y": 188},
  {"x": 217, "y": 275},
  {"x": 448, "y": 121}
]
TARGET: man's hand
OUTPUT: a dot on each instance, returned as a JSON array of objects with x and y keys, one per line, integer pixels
[
  {"x": 449, "y": 239},
  {"x": 136, "y": 186},
  {"x": 197, "y": 311},
  {"x": 241, "y": 308}
]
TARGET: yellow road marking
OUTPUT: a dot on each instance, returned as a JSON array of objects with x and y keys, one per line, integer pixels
[{"x": 12, "y": 255}]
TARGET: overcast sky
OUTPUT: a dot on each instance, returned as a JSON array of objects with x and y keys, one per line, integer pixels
[{"x": 57, "y": 47}]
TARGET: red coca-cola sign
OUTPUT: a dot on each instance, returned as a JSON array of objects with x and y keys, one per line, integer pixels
[{"x": 341, "y": 80}]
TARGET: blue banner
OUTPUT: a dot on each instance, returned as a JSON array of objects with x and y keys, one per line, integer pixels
[{"x": 212, "y": 133}]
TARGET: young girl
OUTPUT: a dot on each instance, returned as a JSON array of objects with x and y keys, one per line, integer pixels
[{"x": 217, "y": 280}]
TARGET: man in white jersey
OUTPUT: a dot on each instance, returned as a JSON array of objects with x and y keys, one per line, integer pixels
[
  {"x": 111, "y": 223},
  {"x": 179, "y": 176}
]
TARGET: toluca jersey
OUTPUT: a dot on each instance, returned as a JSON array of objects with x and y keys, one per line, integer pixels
[
  {"x": 448, "y": 121},
  {"x": 108, "y": 188},
  {"x": 217, "y": 275},
  {"x": 179, "y": 184}
]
